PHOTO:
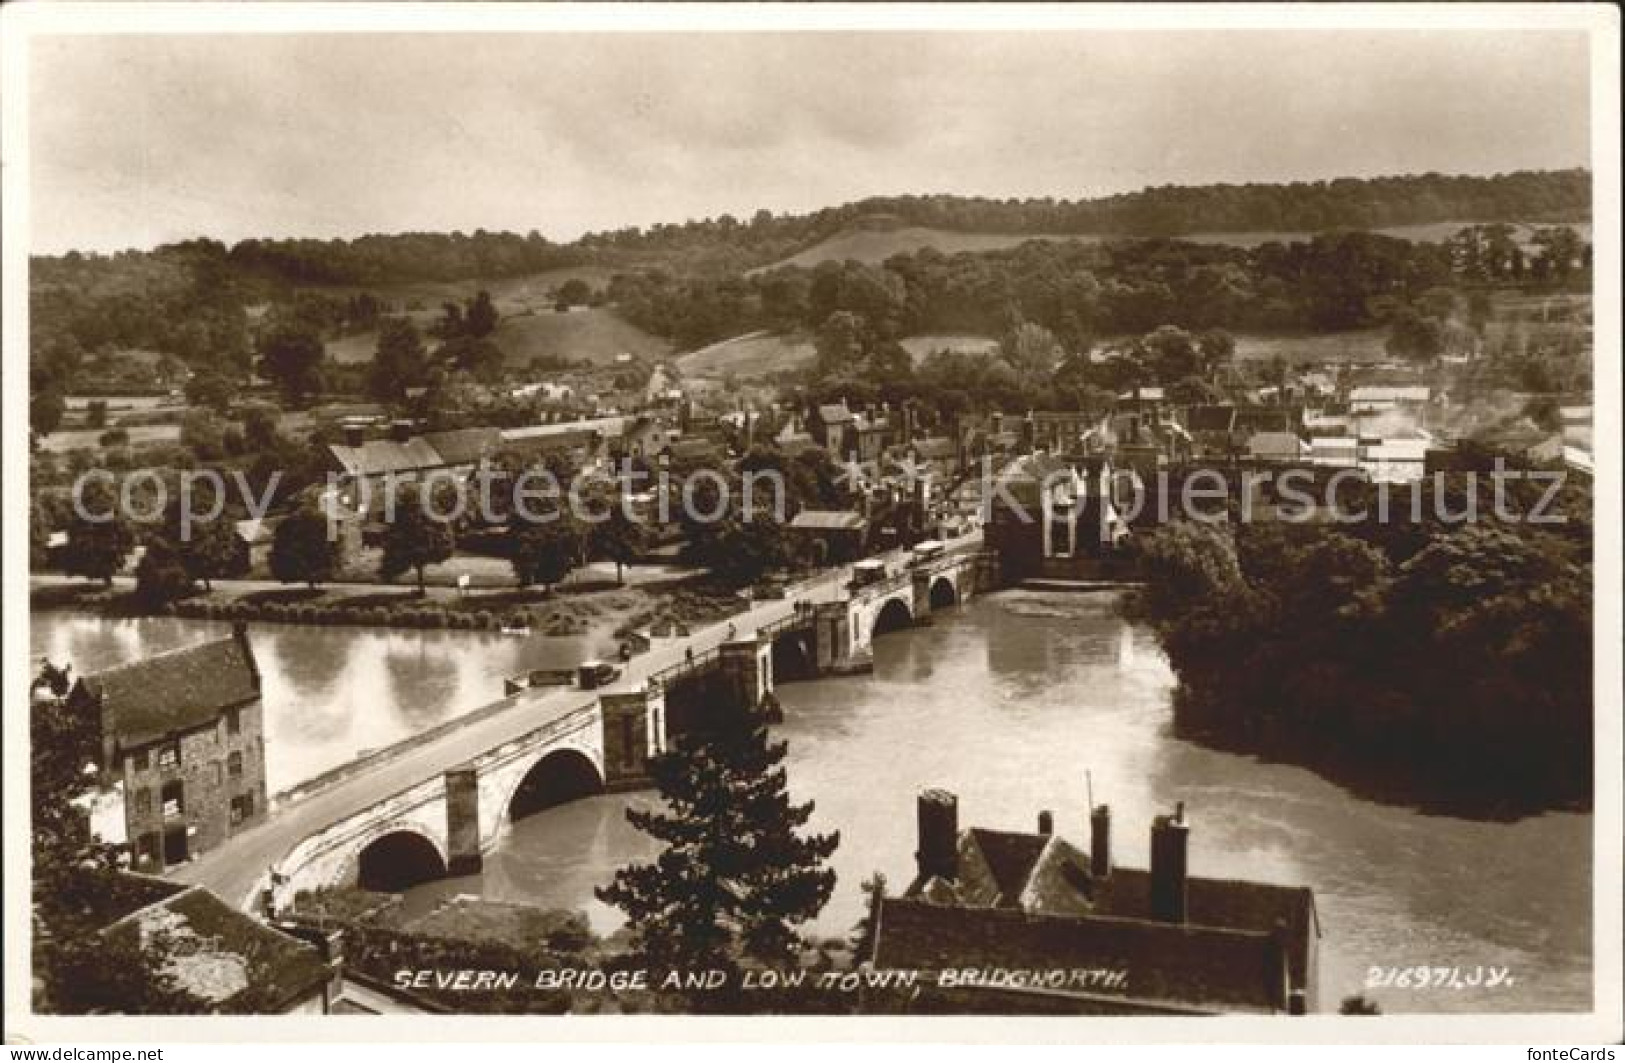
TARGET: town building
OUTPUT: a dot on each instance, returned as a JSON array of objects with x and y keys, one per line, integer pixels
[
  {"x": 1157, "y": 941},
  {"x": 183, "y": 747},
  {"x": 1048, "y": 510},
  {"x": 838, "y": 533}
]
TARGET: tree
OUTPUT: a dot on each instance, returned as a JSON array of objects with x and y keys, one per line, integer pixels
[
  {"x": 481, "y": 318},
  {"x": 97, "y": 548},
  {"x": 204, "y": 434},
  {"x": 75, "y": 875},
  {"x": 160, "y": 578},
  {"x": 542, "y": 551},
  {"x": 415, "y": 537},
  {"x": 622, "y": 538},
  {"x": 45, "y": 407},
  {"x": 291, "y": 357},
  {"x": 1414, "y": 336},
  {"x": 302, "y": 551},
  {"x": 1032, "y": 351},
  {"x": 400, "y": 361},
  {"x": 574, "y": 292},
  {"x": 737, "y": 874},
  {"x": 260, "y": 426},
  {"x": 212, "y": 389}
]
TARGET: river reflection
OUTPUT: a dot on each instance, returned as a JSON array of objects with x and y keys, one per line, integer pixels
[
  {"x": 330, "y": 692},
  {"x": 1008, "y": 701},
  {"x": 1011, "y": 700}
]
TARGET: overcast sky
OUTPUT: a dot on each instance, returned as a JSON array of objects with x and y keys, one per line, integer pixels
[{"x": 140, "y": 140}]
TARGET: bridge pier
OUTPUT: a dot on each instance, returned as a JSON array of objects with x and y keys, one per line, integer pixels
[
  {"x": 634, "y": 730},
  {"x": 748, "y": 665},
  {"x": 833, "y": 637},
  {"x": 463, "y": 821}
]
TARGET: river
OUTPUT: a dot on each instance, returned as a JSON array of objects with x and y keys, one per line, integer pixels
[{"x": 1007, "y": 701}]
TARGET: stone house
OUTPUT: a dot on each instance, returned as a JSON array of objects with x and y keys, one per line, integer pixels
[{"x": 183, "y": 747}]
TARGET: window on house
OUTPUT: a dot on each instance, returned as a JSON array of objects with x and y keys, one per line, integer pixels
[
  {"x": 214, "y": 772},
  {"x": 173, "y": 797},
  {"x": 169, "y": 757},
  {"x": 143, "y": 802},
  {"x": 242, "y": 808},
  {"x": 234, "y": 722},
  {"x": 141, "y": 761},
  {"x": 234, "y": 764}
]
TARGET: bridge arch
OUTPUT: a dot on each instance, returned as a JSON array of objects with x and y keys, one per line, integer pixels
[
  {"x": 560, "y": 776},
  {"x": 399, "y": 859},
  {"x": 943, "y": 593},
  {"x": 893, "y": 614}
]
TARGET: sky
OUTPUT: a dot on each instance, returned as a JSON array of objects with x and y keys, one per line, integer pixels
[{"x": 138, "y": 140}]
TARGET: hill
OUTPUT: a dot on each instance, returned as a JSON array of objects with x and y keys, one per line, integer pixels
[
  {"x": 592, "y": 334},
  {"x": 873, "y": 245}
]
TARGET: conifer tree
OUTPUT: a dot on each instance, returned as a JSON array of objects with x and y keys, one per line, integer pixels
[{"x": 736, "y": 875}]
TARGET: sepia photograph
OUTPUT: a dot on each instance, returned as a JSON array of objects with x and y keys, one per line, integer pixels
[{"x": 890, "y": 521}]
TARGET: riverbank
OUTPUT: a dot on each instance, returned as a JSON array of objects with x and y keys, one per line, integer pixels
[{"x": 579, "y": 608}]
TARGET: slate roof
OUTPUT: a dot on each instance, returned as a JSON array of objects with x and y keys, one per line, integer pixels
[
  {"x": 223, "y": 956},
  {"x": 465, "y": 446},
  {"x": 1045, "y": 875},
  {"x": 147, "y": 700},
  {"x": 834, "y": 413},
  {"x": 378, "y": 457},
  {"x": 1205, "y": 967}
]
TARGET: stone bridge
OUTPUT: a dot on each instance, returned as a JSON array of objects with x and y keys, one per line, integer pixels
[{"x": 438, "y": 809}]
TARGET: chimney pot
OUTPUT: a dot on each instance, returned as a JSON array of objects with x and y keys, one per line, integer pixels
[
  {"x": 1170, "y": 838},
  {"x": 938, "y": 854},
  {"x": 1046, "y": 822},
  {"x": 1100, "y": 841}
]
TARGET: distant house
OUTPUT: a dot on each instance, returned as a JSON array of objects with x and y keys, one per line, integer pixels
[
  {"x": 1394, "y": 460},
  {"x": 183, "y": 747},
  {"x": 1334, "y": 450},
  {"x": 842, "y": 531},
  {"x": 829, "y": 425},
  {"x": 1376, "y": 398},
  {"x": 1046, "y": 507},
  {"x": 1275, "y": 446},
  {"x": 1157, "y": 941}
]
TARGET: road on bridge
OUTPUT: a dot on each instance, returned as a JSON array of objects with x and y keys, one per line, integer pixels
[{"x": 236, "y": 869}]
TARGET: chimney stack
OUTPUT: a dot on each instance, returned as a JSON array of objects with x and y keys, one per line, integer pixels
[
  {"x": 1100, "y": 841},
  {"x": 1046, "y": 822},
  {"x": 1170, "y": 838},
  {"x": 400, "y": 431},
  {"x": 354, "y": 435},
  {"x": 938, "y": 855}
]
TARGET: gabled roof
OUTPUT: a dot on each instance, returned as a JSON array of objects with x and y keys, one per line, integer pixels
[
  {"x": 834, "y": 413},
  {"x": 147, "y": 700},
  {"x": 224, "y": 957},
  {"x": 465, "y": 446},
  {"x": 378, "y": 457},
  {"x": 1275, "y": 445},
  {"x": 828, "y": 520},
  {"x": 1044, "y": 874}
]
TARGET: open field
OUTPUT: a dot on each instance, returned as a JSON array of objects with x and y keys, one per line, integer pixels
[
  {"x": 1361, "y": 345},
  {"x": 754, "y": 354},
  {"x": 510, "y": 294},
  {"x": 60, "y": 442},
  {"x": 874, "y": 246},
  {"x": 919, "y": 347},
  {"x": 593, "y": 334},
  {"x": 758, "y": 354}
]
